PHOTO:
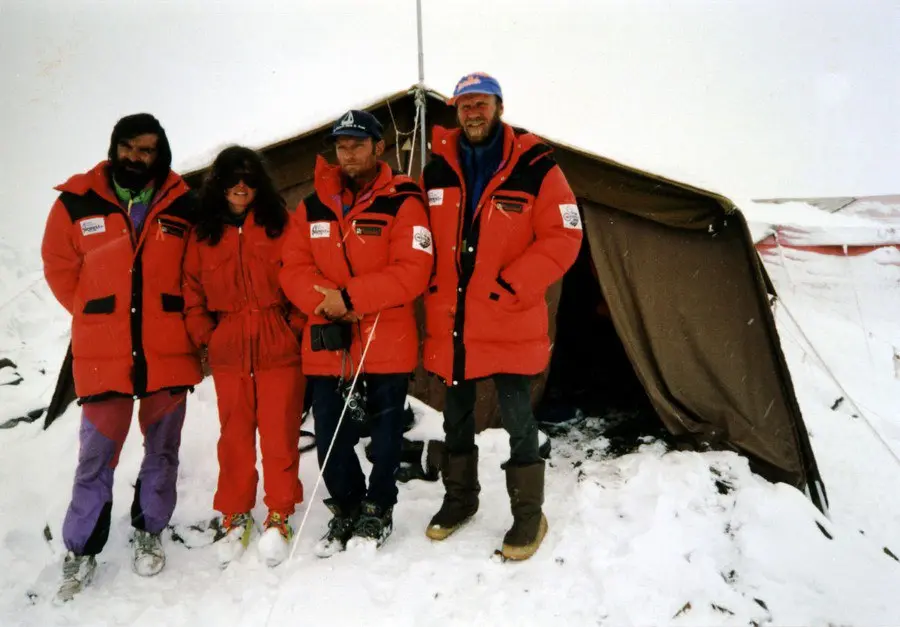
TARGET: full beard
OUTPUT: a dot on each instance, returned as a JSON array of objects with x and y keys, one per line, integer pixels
[
  {"x": 131, "y": 175},
  {"x": 482, "y": 132}
]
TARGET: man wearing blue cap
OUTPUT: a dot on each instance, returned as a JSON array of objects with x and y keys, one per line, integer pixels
[
  {"x": 357, "y": 254},
  {"x": 506, "y": 227}
]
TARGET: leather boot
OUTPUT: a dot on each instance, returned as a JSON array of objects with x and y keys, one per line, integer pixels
[
  {"x": 525, "y": 485},
  {"x": 461, "y": 488}
]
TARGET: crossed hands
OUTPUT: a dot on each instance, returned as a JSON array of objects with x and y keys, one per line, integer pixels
[{"x": 332, "y": 305}]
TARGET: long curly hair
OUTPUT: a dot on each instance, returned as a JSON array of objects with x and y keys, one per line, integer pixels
[{"x": 269, "y": 210}]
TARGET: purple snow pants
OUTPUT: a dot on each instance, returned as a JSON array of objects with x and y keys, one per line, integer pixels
[{"x": 104, "y": 426}]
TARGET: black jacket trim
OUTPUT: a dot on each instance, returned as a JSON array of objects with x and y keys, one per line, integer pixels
[
  {"x": 184, "y": 207},
  {"x": 346, "y": 298},
  {"x": 91, "y": 204},
  {"x": 317, "y": 211},
  {"x": 439, "y": 174},
  {"x": 105, "y": 305},
  {"x": 172, "y": 303},
  {"x": 528, "y": 174}
]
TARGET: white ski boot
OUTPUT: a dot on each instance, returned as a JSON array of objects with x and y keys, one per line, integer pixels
[
  {"x": 78, "y": 571},
  {"x": 275, "y": 544},
  {"x": 149, "y": 556}
]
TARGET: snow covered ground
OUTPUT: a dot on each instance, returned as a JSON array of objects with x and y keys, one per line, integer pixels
[
  {"x": 653, "y": 537},
  {"x": 719, "y": 95}
]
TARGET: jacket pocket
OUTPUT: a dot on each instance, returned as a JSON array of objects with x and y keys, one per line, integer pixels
[
  {"x": 171, "y": 227},
  {"x": 369, "y": 226},
  {"x": 172, "y": 303},
  {"x": 504, "y": 294},
  {"x": 105, "y": 305},
  {"x": 511, "y": 204}
]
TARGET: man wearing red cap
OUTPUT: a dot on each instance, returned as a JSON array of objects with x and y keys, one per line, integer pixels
[{"x": 506, "y": 226}]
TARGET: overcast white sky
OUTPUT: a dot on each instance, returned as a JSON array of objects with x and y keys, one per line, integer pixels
[{"x": 753, "y": 98}]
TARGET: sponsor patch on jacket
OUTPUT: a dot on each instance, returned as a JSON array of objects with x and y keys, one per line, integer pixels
[
  {"x": 92, "y": 226},
  {"x": 368, "y": 229},
  {"x": 435, "y": 197},
  {"x": 422, "y": 239},
  {"x": 570, "y": 217},
  {"x": 509, "y": 206},
  {"x": 319, "y": 229}
]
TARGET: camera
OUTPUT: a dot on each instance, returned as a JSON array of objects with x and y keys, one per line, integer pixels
[
  {"x": 356, "y": 405},
  {"x": 330, "y": 337}
]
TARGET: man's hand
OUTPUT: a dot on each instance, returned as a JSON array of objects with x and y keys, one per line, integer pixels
[
  {"x": 351, "y": 317},
  {"x": 332, "y": 305}
]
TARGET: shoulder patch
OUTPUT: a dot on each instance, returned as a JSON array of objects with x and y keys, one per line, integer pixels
[
  {"x": 422, "y": 239},
  {"x": 435, "y": 197},
  {"x": 571, "y": 219}
]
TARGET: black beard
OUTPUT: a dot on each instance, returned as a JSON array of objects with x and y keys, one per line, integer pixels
[{"x": 134, "y": 180}]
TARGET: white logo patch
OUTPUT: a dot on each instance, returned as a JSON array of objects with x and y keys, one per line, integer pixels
[
  {"x": 319, "y": 229},
  {"x": 422, "y": 239},
  {"x": 570, "y": 217},
  {"x": 435, "y": 197},
  {"x": 92, "y": 226},
  {"x": 348, "y": 120}
]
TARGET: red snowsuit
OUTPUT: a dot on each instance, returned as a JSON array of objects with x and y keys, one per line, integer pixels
[{"x": 235, "y": 307}]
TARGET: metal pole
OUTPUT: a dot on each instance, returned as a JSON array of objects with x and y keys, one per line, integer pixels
[{"x": 420, "y": 92}]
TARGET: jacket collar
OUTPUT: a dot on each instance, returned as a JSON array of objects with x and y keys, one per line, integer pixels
[
  {"x": 98, "y": 180},
  {"x": 329, "y": 185}
]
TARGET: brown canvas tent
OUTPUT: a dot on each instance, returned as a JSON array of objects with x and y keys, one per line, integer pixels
[{"x": 667, "y": 302}]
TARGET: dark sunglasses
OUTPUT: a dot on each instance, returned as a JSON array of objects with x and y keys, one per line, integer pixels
[{"x": 233, "y": 178}]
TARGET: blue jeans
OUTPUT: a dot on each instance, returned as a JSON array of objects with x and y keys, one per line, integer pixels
[{"x": 343, "y": 476}]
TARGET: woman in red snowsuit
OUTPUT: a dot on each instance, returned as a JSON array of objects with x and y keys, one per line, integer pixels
[{"x": 237, "y": 313}]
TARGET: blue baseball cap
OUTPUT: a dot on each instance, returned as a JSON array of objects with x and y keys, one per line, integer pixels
[
  {"x": 356, "y": 123},
  {"x": 476, "y": 83}
]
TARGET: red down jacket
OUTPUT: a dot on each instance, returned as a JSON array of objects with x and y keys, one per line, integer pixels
[
  {"x": 124, "y": 293},
  {"x": 234, "y": 304},
  {"x": 380, "y": 251},
  {"x": 485, "y": 308}
]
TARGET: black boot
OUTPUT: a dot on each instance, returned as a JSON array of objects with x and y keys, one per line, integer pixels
[
  {"x": 374, "y": 523},
  {"x": 461, "y": 489},
  {"x": 340, "y": 529},
  {"x": 525, "y": 485}
]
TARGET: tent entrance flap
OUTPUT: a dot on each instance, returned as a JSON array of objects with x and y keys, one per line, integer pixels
[{"x": 589, "y": 369}]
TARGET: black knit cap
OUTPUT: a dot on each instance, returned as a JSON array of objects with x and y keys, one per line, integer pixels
[{"x": 139, "y": 124}]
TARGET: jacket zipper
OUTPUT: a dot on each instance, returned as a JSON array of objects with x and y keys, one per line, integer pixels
[{"x": 245, "y": 282}]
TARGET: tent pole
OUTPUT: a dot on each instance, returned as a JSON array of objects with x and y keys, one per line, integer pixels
[{"x": 420, "y": 91}]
